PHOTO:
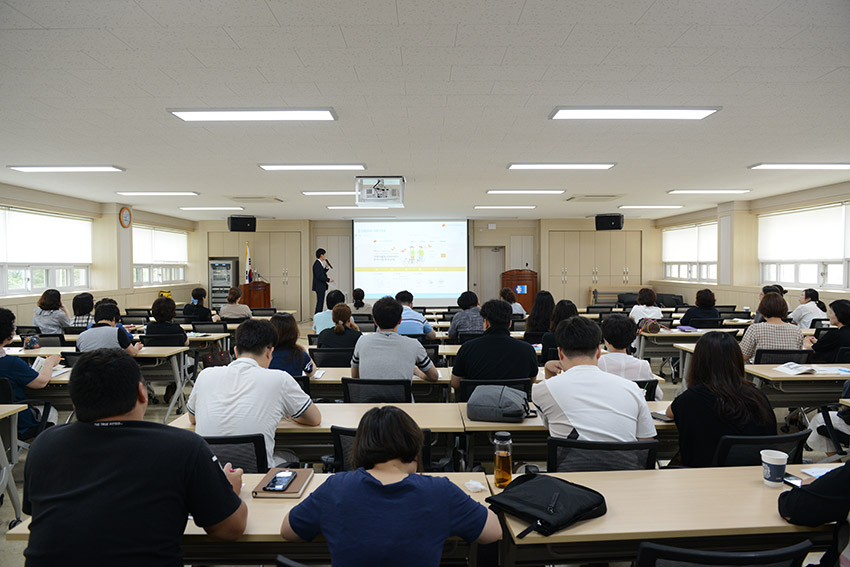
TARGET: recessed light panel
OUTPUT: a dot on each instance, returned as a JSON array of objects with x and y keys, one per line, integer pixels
[
  {"x": 314, "y": 167},
  {"x": 354, "y": 207},
  {"x": 328, "y": 193},
  {"x": 157, "y": 193},
  {"x": 707, "y": 191},
  {"x": 253, "y": 115},
  {"x": 800, "y": 166},
  {"x": 212, "y": 208},
  {"x": 650, "y": 206},
  {"x": 506, "y": 207},
  {"x": 609, "y": 113},
  {"x": 525, "y": 192},
  {"x": 64, "y": 168},
  {"x": 561, "y": 165}
]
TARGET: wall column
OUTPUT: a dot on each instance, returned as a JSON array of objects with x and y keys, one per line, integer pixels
[
  {"x": 112, "y": 262},
  {"x": 737, "y": 242}
]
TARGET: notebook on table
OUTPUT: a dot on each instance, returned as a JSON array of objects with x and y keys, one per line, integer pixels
[{"x": 294, "y": 490}]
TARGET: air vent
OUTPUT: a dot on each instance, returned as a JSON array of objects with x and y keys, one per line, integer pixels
[
  {"x": 592, "y": 198},
  {"x": 256, "y": 199}
]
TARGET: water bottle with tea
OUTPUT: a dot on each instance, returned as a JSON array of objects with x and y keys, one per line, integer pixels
[{"x": 502, "y": 467}]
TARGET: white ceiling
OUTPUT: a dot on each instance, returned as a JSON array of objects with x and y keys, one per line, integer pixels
[{"x": 444, "y": 92}]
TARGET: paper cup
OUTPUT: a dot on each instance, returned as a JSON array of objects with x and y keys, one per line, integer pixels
[{"x": 773, "y": 466}]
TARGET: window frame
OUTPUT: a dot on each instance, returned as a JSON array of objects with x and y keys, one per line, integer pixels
[
  {"x": 176, "y": 271},
  {"x": 693, "y": 268},
  {"x": 51, "y": 282}
]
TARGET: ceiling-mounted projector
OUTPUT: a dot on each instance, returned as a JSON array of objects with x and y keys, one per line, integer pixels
[{"x": 386, "y": 191}]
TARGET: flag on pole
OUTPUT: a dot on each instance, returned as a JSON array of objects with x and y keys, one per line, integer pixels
[{"x": 249, "y": 272}]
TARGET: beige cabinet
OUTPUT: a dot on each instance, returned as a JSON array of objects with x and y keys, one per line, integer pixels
[{"x": 284, "y": 273}]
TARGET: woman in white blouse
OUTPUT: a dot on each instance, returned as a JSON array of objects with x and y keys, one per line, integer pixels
[
  {"x": 645, "y": 308},
  {"x": 811, "y": 307}
]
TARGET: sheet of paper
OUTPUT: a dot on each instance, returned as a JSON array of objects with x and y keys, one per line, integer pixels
[
  {"x": 319, "y": 374},
  {"x": 816, "y": 472}
]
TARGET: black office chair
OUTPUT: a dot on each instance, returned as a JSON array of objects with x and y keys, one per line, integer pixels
[
  {"x": 533, "y": 337},
  {"x": 781, "y": 356},
  {"x": 649, "y": 387},
  {"x": 681, "y": 308},
  {"x": 736, "y": 315},
  {"x": 468, "y": 386},
  {"x": 419, "y": 310},
  {"x": 162, "y": 340},
  {"x": 655, "y": 555},
  {"x": 454, "y": 309},
  {"x": 367, "y": 327},
  {"x": 226, "y": 320},
  {"x": 73, "y": 330},
  {"x": 627, "y": 300},
  {"x": 745, "y": 450},
  {"x": 419, "y": 337},
  {"x": 27, "y": 330},
  {"x": 575, "y": 455},
  {"x": 819, "y": 323},
  {"x": 135, "y": 320},
  {"x": 343, "y": 440},
  {"x": 725, "y": 308},
  {"x": 304, "y": 382},
  {"x": 70, "y": 357},
  {"x": 448, "y": 316},
  {"x": 208, "y": 327},
  {"x": 137, "y": 312},
  {"x": 187, "y": 320},
  {"x": 312, "y": 340},
  {"x": 551, "y": 355},
  {"x": 468, "y": 336},
  {"x": 433, "y": 352},
  {"x": 362, "y": 318},
  {"x": 263, "y": 311},
  {"x": 7, "y": 396},
  {"x": 519, "y": 324},
  {"x": 375, "y": 391},
  {"x": 706, "y": 323},
  {"x": 51, "y": 340},
  {"x": 669, "y": 300},
  {"x": 599, "y": 308},
  {"x": 331, "y": 357},
  {"x": 284, "y": 562},
  {"x": 246, "y": 452},
  {"x": 843, "y": 355}
]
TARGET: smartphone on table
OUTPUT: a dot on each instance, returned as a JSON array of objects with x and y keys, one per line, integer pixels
[
  {"x": 280, "y": 481},
  {"x": 792, "y": 480}
]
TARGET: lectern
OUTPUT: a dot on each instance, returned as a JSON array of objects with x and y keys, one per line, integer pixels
[
  {"x": 524, "y": 285},
  {"x": 256, "y": 294}
]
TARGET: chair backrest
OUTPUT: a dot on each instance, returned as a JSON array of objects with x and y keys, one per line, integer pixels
[
  {"x": 236, "y": 320},
  {"x": 681, "y": 308},
  {"x": 706, "y": 323},
  {"x": 263, "y": 311},
  {"x": 312, "y": 339},
  {"x": 745, "y": 450},
  {"x": 454, "y": 309},
  {"x": 73, "y": 330},
  {"x": 162, "y": 340},
  {"x": 304, "y": 382},
  {"x": 137, "y": 312},
  {"x": 447, "y": 316},
  {"x": 551, "y": 354},
  {"x": 818, "y": 323},
  {"x": 726, "y": 308},
  {"x": 843, "y": 355},
  {"x": 600, "y": 308},
  {"x": 575, "y": 455},
  {"x": 332, "y": 357},
  {"x": 419, "y": 309},
  {"x": 343, "y": 440},
  {"x": 628, "y": 300},
  {"x": 649, "y": 388},
  {"x": 367, "y": 327},
  {"x": 135, "y": 320},
  {"x": 52, "y": 340},
  {"x": 468, "y": 386},
  {"x": 284, "y": 562},
  {"x": 433, "y": 352},
  {"x": 186, "y": 320},
  {"x": 468, "y": 336},
  {"x": 419, "y": 337},
  {"x": 669, "y": 299},
  {"x": 780, "y": 356},
  {"x": 375, "y": 390},
  {"x": 208, "y": 327},
  {"x": 655, "y": 555},
  {"x": 7, "y": 396},
  {"x": 519, "y": 325},
  {"x": 821, "y": 331},
  {"x": 533, "y": 337},
  {"x": 70, "y": 357},
  {"x": 362, "y": 317},
  {"x": 27, "y": 330},
  {"x": 736, "y": 315},
  {"x": 247, "y": 452}
]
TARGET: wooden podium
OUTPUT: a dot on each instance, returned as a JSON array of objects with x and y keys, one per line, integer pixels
[
  {"x": 527, "y": 278},
  {"x": 256, "y": 294}
]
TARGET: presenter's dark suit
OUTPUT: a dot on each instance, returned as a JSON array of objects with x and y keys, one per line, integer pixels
[{"x": 320, "y": 284}]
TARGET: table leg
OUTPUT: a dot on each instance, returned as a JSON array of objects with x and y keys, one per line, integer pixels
[
  {"x": 7, "y": 480},
  {"x": 641, "y": 347},
  {"x": 177, "y": 367}
]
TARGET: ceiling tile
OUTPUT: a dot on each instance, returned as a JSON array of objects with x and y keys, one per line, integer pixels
[
  {"x": 334, "y": 12},
  {"x": 452, "y": 55},
  {"x": 453, "y": 87},
  {"x": 46, "y": 60},
  {"x": 757, "y": 57},
  {"x": 246, "y": 58},
  {"x": 721, "y": 12},
  {"x": 174, "y": 38},
  {"x": 536, "y": 87},
  {"x": 385, "y": 73},
  {"x": 293, "y": 74},
  {"x": 59, "y": 40},
  {"x": 737, "y": 36},
  {"x": 677, "y": 56},
  {"x": 822, "y": 13},
  {"x": 68, "y": 14},
  {"x": 215, "y": 76},
  {"x": 779, "y": 74},
  {"x": 351, "y": 56},
  {"x": 694, "y": 73},
  {"x": 497, "y": 72},
  {"x": 145, "y": 58},
  {"x": 459, "y": 11},
  {"x": 378, "y": 101},
  {"x": 486, "y": 100},
  {"x": 285, "y": 37},
  {"x": 590, "y": 11},
  {"x": 209, "y": 13},
  {"x": 397, "y": 36},
  {"x": 11, "y": 18},
  {"x": 812, "y": 37},
  {"x": 517, "y": 35},
  {"x": 591, "y": 72},
  {"x": 358, "y": 88}
]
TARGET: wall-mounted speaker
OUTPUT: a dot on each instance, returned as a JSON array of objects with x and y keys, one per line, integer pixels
[
  {"x": 609, "y": 222},
  {"x": 242, "y": 224}
]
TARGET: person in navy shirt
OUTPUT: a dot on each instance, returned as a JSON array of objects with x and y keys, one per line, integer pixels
[{"x": 383, "y": 513}]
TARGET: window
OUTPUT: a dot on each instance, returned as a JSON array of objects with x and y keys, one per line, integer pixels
[
  {"x": 40, "y": 251},
  {"x": 159, "y": 255},
  {"x": 819, "y": 261},
  {"x": 690, "y": 252}
]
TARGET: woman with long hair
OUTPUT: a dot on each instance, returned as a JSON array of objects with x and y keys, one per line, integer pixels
[
  {"x": 718, "y": 401},
  {"x": 288, "y": 355},
  {"x": 360, "y": 306},
  {"x": 382, "y": 512},
  {"x": 50, "y": 315},
  {"x": 811, "y": 307},
  {"x": 344, "y": 333},
  {"x": 541, "y": 313},
  {"x": 564, "y": 309},
  {"x": 826, "y": 348}
]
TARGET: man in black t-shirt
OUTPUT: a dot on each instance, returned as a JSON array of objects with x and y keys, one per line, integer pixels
[
  {"x": 495, "y": 355},
  {"x": 111, "y": 489}
]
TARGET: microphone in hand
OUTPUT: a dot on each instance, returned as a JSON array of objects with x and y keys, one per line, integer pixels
[{"x": 328, "y": 262}]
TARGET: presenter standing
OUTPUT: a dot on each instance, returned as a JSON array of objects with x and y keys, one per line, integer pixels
[{"x": 320, "y": 278}]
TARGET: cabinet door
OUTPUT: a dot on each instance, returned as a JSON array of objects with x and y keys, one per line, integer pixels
[
  {"x": 586, "y": 284},
  {"x": 633, "y": 257},
  {"x": 617, "y": 259},
  {"x": 587, "y": 253},
  {"x": 572, "y": 253},
  {"x": 603, "y": 254},
  {"x": 556, "y": 255},
  {"x": 556, "y": 286}
]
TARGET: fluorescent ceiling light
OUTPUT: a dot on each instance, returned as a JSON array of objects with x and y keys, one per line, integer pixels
[
  {"x": 253, "y": 115},
  {"x": 212, "y": 208},
  {"x": 800, "y": 166},
  {"x": 707, "y": 191},
  {"x": 505, "y": 206},
  {"x": 525, "y": 192},
  {"x": 561, "y": 165},
  {"x": 650, "y": 206},
  {"x": 636, "y": 113},
  {"x": 314, "y": 167},
  {"x": 157, "y": 193},
  {"x": 353, "y": 207},
  {"x": 64, "y": 168},
  {"x": 327, "y": 193}
]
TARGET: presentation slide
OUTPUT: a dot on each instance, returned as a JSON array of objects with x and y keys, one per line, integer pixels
[{"x": 427, "y": 258}]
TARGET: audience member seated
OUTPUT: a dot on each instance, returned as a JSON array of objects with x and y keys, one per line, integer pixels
[
  {"x": 233, "y": 309},
  {"x": 50, "y": 315},
  {"x": 507, "y": 294},
  {"x": 288, "y": 355},
  {"x": 324, "y": 319},
  {"x": 719, "y": 401},
  {"x": 344, "y": 333},
  {"x": 246, "y": 396},
  {"x": 360, "y": 306},
  {"x": 826, "y": 348},
  {"x": 564, "y": 309},
  {"x": 619, "y": 332},
  {"x": 196, "y": 309},
  {"x": 773, "y": 333},
  {"x": 469, "y": 320},
  {"x": 77, "y": 474},
  {"x": 383, "y": 513},
  {"x": 412, "y": 322},
  {"x": 83, "y": 306},
  {"x": 385, "y": 353},
  {"x": 645, "y": 308},
  {"x": 541, "y": 313},
  {"x": 811, "y": 307},
  {"x": 704, "y": 309},
  {"x": 824, "y": 500},
  {"x": 583, "y": 401},
  {"x": 775, "y": 288},
  {"x": 22, "y": 376},
  {"x": 104, "y": 334},
  {"x": 495, "y": 355},
  {"x": 110, "y": 301},
  {"x": 163, "y": 311}
]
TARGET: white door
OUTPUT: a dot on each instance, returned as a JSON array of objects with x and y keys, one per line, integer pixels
[{"x": 491, "y": 264}]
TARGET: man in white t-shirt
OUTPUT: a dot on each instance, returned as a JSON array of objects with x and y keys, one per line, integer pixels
[
  {"x": 586, "y": 401},
  {"x": 245, "y": 397}
]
